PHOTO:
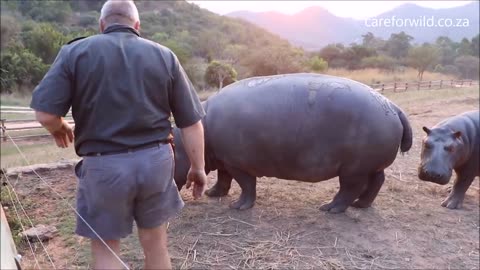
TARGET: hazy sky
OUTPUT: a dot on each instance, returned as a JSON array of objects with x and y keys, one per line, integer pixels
[{"x": 352, "y": 9}]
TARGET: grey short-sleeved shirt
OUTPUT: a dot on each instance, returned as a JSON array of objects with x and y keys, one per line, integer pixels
[{"x": 122, "y": 90}]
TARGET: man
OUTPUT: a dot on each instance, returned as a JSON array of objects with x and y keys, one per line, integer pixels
[{"x": 122, "y": 89}]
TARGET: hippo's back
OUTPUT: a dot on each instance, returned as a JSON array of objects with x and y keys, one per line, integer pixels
[{"x": 295, "y": 126}]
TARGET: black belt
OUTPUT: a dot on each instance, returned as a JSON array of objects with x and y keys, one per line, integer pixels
[{"x": 130, "y": 149}]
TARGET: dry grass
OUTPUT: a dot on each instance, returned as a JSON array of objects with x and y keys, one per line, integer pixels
[{"x": 372, "y": 75}]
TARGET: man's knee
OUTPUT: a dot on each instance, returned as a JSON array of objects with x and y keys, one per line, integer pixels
[{"x": 155, "y": 237}]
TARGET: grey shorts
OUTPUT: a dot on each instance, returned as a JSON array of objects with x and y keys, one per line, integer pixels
[{"x": 115, "y": 190}]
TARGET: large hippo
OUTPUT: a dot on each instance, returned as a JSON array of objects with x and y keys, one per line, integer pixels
[
  {"x": 452, "y": 144},
  {"x": 304, "y": 127}
]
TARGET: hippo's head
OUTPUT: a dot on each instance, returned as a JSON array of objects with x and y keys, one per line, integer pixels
[
  {"x": 182, "y": 163},
  {"x": 440, "y": 151}
]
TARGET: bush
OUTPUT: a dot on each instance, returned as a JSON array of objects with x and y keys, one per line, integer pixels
[
  {"x": 448, "y": 70},
  {"x": 20, "y": 68},
  {"x": 468, "y": 66},
  {"x": 318, "y": 64},
  {"x": 380, "y": 61}
]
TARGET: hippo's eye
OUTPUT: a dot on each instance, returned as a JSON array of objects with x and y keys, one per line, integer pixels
[
  {"x": 448, "y": 148},
  {"x": 428, "y": 146}
]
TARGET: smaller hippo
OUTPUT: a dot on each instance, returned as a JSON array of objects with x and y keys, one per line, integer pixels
[{"x": 452, "y": 144}]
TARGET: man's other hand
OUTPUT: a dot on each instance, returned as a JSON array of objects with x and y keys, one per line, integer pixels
[{"x": 199, "y": 180}]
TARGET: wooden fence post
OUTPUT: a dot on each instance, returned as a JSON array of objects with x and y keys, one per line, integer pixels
[
  {"x": 406, "y": 86},
  {"x": 429, "y": 85},
  {"x": 471, "y": 82},
  {"x": 4, "y": 129},
  {"x": 441, "y": 81},
  {"x": 383, "y": 87},
  {"x": 418, "y": 85},
  {"x": 461, "y": 83},
  {"x": 395, "y": 87}
]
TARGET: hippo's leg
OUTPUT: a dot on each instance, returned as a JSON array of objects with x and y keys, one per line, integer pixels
[
  {"x": 350, "y": 189},
  {"x": 248, "y": 184},
  {"x": 462, "y": 183},
  {"x": 368, "y": 196},
  {"x": 222, "y": 186}
]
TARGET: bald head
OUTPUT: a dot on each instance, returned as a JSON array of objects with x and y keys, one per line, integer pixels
[{"x": 119, "y": 12}]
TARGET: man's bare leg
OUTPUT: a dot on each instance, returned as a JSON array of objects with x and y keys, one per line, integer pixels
[
  {"x": 154, "y": 244},
  {"x": 103, "y": 257}
]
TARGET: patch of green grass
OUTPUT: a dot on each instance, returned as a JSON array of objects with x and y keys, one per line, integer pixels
[
  {"x": 41, "y": 152},
  {"x": 15, "y": 100}
]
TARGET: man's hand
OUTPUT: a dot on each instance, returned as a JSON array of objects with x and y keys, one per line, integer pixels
[
  {"x": 199, "y": 180},
  {"x": 64, "y": 135},
  {"x": 58, "y": 127}
]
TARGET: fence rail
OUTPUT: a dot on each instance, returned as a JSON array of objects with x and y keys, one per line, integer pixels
[{"x": 422, "y": 85}]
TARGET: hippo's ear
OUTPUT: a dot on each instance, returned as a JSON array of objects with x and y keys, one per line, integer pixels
[
  {"x": 457, "y": 134},
  {"x": 427, "y": 130}
]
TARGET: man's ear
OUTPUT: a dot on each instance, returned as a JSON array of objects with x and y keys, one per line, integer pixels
[
  {"x": 136, "y": 26},
  {"x": 101, "y": 25}
]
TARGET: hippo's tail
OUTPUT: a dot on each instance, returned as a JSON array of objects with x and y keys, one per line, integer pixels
[{"x": 407, "y": 137}]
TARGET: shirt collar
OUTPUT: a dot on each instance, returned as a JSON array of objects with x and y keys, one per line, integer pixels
[{"x": 120, "y": 28}]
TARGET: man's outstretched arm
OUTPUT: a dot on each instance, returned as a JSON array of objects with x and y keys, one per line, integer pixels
[{"x": 193, "y": 142}]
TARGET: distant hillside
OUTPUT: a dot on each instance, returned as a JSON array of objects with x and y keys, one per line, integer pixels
[
  {"x": 315, "y": 27},
  {"x": 35, "y": 31}
]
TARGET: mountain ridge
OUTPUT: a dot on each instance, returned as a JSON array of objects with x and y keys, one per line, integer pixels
[{"x": 302, "y": 28}]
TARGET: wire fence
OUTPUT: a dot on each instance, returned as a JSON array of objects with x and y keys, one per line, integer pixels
[
  {"x": 422, "y": 85},
  {"x": 32, "y": 124}
]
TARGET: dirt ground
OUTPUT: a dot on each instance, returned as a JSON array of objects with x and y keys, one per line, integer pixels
[{"x": 406, "y": 228}]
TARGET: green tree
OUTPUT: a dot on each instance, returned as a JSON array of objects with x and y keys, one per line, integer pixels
[
  {"x": 180, "y": 49},
  {"x": 220, "y": 74},
  {"x": 384, "y": 62},
  {"x": 274, "y": 60},
  {"x": 421, "y": 58},
  {"x": 468, "y": 66},
  {"x": 317, "y": 64},
  {"x": 475, "y": 46},
  {"x": 446, "y": 50},
  {"x": 44, "y": 41},
  {"x": 331, "y": 52},
  {"x": 20, "y": 68},
  {"x": 46, "y": 10},
  {"x": 9, "y": 30},
  {"x": 397, "y": 45},
  {"x": 464, "y": 47}
]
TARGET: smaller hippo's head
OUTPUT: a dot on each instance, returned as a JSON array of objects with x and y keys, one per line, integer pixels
[
  {"x": 182, "y": 163},
  {"x": 440, "y": 151}
]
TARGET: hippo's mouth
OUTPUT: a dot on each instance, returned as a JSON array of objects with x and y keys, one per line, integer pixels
[{"x": 441, "y": 179}]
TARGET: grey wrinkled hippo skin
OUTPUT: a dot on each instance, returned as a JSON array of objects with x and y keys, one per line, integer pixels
[
  {"x": 452, "y": 145},
  {"x": 303, "y": 127}
]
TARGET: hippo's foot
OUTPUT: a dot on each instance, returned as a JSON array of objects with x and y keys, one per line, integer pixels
[
  {"x": 453, "y": 202},
  {"x": 350, "y": 189},
  {"x": 243, "y": 203},
  {"x": 375, "y": 183},
  {"x": 216, "y": 191},
  {"x": 334, "y": 207},
  {"x": 361, "y": 204}
]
